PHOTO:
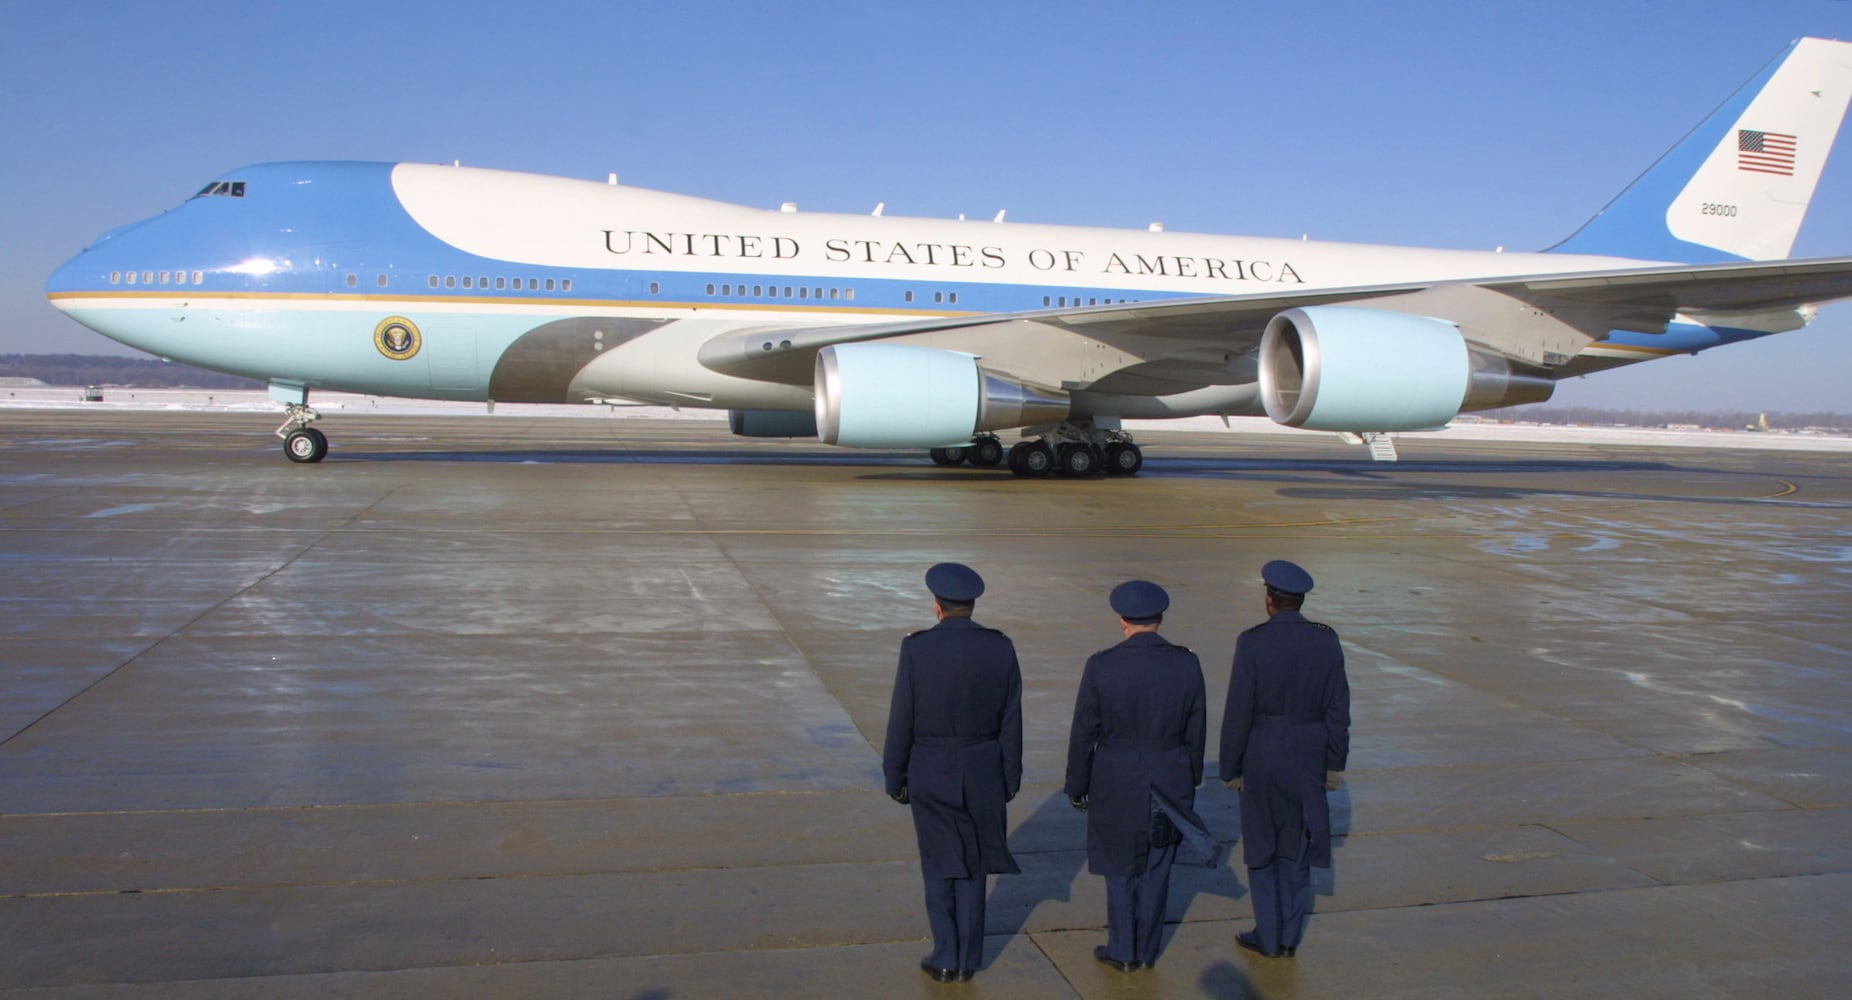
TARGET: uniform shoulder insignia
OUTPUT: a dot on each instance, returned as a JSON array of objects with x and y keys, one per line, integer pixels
[{"x": 1323, "y": 626}]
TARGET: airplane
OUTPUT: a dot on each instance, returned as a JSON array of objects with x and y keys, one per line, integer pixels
[{"x": 876, "y": 331}]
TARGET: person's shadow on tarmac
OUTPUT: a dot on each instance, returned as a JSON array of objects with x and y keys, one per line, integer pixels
[
  {"x": 1051, "y": 847},
  {"x": 1220, "y": 810}
]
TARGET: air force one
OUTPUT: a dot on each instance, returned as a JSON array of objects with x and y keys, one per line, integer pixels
[{"x": 872, "y": 331}]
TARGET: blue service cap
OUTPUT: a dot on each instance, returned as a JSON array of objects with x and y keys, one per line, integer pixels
[
  {"x": 1286, "y": 577},
  {"x": 954, "y": 582},
  {"x": 1139, "y": 601}
]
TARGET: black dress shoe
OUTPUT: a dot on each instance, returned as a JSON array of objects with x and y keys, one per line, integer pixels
[
  {"x": 1247, "y": 940},
  {"x": 965, "y": 976},
  {"x": 1099, "y": 953},
  {"x": 938, "y": 974}
]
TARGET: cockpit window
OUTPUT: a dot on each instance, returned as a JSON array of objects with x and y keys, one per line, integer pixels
[{"x": 228, "y": 189}]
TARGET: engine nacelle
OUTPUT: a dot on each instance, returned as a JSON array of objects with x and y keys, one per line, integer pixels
[
  {"x": 772, "y": 423},
  {"x": 907, "y": 396},
  {"x": 1344, "y": 368}
]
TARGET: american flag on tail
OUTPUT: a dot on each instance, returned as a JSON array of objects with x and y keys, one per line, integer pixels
[{"x": 1765, "y": 152}]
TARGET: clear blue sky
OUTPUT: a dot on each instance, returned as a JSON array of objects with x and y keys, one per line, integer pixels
[{"x": 1466, "y": 124}]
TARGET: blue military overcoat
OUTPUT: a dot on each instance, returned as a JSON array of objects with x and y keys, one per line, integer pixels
[
  {"x": 1287, "y": 722},
  {"x": 954, "y": 741},
  {"x": 1138, "y": 729}
]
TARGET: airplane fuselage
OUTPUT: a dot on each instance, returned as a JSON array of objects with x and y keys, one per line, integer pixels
[{"x": 461, "y": 283}]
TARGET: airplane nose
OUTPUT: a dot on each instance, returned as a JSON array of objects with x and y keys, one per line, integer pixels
[
  {"x": 88, "y": 271},
  {"x": 69, "y": 277},
  {"x": 96, "y": 288}
]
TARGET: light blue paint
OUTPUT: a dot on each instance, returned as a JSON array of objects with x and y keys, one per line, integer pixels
[
  {"x": 904, "y": 396},
  {"x": 1385, "y": 370}
]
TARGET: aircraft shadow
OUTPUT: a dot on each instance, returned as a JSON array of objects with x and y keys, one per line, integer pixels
[
  {"x": 909, "y": 466},
  {"x": 1297, "y": 479}
]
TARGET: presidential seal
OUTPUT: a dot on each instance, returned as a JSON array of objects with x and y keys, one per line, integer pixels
[{"x": 397, "y": 338}]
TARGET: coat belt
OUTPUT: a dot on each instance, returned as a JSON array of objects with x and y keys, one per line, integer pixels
[
  {"x": 1286, "y": 720},
  {"x": 1163, "y": 744},
  {"x": 953, "y": 741}
]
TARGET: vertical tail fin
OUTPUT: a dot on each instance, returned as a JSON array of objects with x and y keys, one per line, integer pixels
[{"x": 1736, "y": 187}]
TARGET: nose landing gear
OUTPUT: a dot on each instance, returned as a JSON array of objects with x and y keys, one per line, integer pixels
[{"x": 302, "y": 443}]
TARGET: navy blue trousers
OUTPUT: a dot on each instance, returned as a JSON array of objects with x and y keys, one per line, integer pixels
[
  {"x": 1135, "y": 908},
  {"x": 955, "y": 909},
  {"x": 1282, "y": 894}
]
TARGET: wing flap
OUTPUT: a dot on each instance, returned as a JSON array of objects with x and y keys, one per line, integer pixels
[{"x": 1751, "y": 287}]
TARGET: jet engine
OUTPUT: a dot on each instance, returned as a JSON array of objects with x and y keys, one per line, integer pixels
[
  {"x": 908, "y": 396},
  {"x": 1346, "y": 368}
]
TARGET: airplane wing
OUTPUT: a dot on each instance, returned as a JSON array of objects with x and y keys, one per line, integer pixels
[
  {"x": 1176, "y": 345},
  {"x": 1188, "y": 343}
]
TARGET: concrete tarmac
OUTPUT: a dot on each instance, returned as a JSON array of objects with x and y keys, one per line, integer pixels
[{"x": 521, "y": 707}]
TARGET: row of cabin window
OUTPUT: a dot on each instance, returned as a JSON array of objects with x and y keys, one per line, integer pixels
[
  {"x": 1064, "y": 301},
  {"x": 353, "y": 280},
  {"x": 771, "y": 291},
  {"x": 565, "y": 285},
  {"x": 154, "y": 277},
  {"x": 501, "y": 284}
]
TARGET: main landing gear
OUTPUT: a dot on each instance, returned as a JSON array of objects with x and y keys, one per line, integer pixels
[
  {"x": 984, "y": 451},
  {"x": 302, "y": 443},
  {"x": 1065, "y": 451}
]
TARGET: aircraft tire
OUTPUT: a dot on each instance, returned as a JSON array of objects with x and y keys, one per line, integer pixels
[
  {"x": 947, "y": 456},
  {"x": 1013, "y": 459},
  {"x": 1079, "y": 460},
  {"x": 985, "y": 453},
  {"x": 1032, "y": 459},
  {"x": 306, "y": 445},
  {"x": 1123, "y": 459}
]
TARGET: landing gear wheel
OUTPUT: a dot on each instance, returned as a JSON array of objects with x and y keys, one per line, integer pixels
[
  {"x": 1079, "y": 460},
  {"x": 1032, "y": 458},
  {"x": 1124, "y": 459},
  {"x": 947, "y": 456},
  {"x": 306, "y": 445},
  {"x": 1014, "y": 458},
  {"x": 985, "y": 453}
]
